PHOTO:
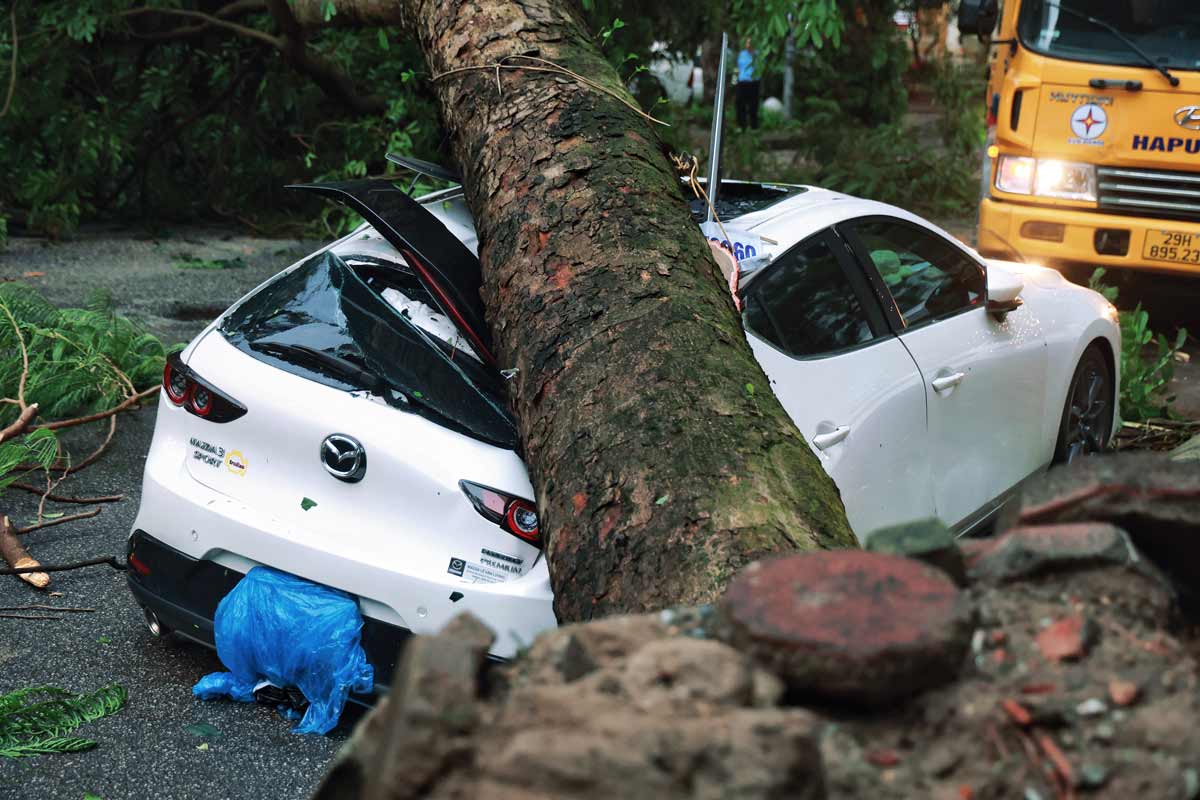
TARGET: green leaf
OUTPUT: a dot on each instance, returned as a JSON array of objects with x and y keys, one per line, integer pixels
[
  {"x": 662, "y": 500},
  {"x": 383, "y": 39},
  {"x": 104, "y": 640},
  {"x": 36, "y": 720},
  {"x": 750, "y": 389},
  {"x": 307, "y": 503},
  {"x": 203, "y": 730}
]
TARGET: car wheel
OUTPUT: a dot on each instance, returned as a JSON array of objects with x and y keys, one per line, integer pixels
[{"x": 1086, "y": 425}]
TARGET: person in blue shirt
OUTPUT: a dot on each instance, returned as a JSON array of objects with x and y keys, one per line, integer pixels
[{"x": 747, "y": 87}]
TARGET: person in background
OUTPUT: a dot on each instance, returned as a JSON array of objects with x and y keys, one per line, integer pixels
[{"x": 747, "y": 87}]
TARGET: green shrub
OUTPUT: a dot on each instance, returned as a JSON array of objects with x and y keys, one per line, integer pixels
[
  {"x": 1147, "y": 360},
  {"x": 958, "y": 90}
]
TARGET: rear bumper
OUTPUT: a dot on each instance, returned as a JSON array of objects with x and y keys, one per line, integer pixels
[
  {"x": 184, "y": 593},
  {"x": 391, "y": 581},
  {"x": 1001, "y": 225}
]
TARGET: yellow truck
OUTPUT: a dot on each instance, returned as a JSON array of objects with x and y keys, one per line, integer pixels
[{"x": 1093, "y": 154}]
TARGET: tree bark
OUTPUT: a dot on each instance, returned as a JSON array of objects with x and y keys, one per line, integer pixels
[{"x": 661, "y": 459}]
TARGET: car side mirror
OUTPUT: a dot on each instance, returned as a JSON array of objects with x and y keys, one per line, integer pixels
[
  {"x": 978, "y": 17},
  {"x": 1003, "y": 293}
]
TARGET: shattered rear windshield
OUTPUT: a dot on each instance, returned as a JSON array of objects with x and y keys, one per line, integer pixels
[
  {"x": 352, "y": 328},
  {"x": 736, "y": 199}
]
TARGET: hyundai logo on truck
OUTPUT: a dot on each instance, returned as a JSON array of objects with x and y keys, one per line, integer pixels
[{"x": 1188, "y": 117}]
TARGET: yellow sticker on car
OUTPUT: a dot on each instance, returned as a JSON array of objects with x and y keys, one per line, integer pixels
[{"x": 236, "y": 462}]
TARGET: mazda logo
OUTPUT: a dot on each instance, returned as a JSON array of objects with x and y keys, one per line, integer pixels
[
  {"x": 1188, "y": 117},
  {"x": 344, "y": 457}
]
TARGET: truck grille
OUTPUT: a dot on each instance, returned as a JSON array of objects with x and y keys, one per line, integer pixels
[{"x": 1150, "y": 192}]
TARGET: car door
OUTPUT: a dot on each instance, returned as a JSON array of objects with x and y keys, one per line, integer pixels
[
  {"x": 845, "y": 379},
  {"x": 984, "y": 377}
]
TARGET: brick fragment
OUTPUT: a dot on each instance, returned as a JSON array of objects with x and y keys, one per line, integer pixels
[
  {"x": 1123, "y": 693},
  {"x": 1035, "y": 549},
  {"x": 860, "y": 626},
  {"x": 1064, "y": 640}
]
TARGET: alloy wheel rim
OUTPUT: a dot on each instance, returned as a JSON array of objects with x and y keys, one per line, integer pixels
[{"x": 1086, "y": 421}]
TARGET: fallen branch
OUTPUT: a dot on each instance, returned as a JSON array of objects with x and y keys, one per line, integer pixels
[
  {"x": 47, "y": 608},
  {"x": 125, "y": 404},
  {"x": 61, "y": 498},
  {"x": 91, "y": 562},
  {"x": 19, "y": 559},
  {"x": 51, "y": 522},
  {"x": 20, "y": 424},
  {"x": 70, "y": 469}
]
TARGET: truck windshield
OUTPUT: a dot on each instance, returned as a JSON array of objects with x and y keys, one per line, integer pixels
[{"x": 1166, "y": 30}]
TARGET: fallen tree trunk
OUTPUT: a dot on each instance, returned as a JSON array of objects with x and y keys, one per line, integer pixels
[
  {"x": 18, "y": 557},
  {"x": 661, "y": 460}
]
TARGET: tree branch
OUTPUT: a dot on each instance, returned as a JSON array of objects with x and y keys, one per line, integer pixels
[
  {"x": 332, "y": 80},
  {"x": 125, "y": 404},
  {"x": 52, "y": 522},
  {"x": 21, "y": 423},
  {"x": 230, "y": 11},
  {"x": 240, "y": 30},
  {"x": 12, "y": 73},
  {"x": 62, "y": 498}
]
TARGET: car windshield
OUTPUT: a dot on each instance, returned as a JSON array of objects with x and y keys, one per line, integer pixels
[
  {"x": 1166, "y": 30},
  {"x": 367, "y": 325}
]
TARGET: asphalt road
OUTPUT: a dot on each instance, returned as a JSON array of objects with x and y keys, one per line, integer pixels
[{"x": 145, "y": 750}]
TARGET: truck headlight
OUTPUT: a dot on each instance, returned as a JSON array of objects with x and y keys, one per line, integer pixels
[
  {"x": 1068, "y": 180},
  {"x": 1046, "y": 177}
]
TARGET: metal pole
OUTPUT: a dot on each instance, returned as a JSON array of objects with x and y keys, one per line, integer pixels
[
  {"x": 714, "y": 149},
  {"x": 789, "y": 72}
]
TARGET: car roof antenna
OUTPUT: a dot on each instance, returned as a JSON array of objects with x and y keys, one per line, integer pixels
[{"x": 714, "y": 139}]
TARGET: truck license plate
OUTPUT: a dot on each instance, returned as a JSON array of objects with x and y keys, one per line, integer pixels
[{"x": 1180, "y": 248}]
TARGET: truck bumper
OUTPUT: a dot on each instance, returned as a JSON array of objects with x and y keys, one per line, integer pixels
[{"x": 1089, "y": 238}]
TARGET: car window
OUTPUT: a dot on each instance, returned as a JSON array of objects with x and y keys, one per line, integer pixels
[
  {"x": 805, "y": 305},
  {"x": 927, "y": 276}
]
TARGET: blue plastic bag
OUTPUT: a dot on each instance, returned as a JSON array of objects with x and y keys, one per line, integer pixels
[{"x": 292, "y": 632}]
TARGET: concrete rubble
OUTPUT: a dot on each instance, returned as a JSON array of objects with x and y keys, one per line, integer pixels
[{"x": 1055, "y": 660}]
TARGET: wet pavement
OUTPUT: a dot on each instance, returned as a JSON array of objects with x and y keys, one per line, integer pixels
[{"x": 146, "y": 750}]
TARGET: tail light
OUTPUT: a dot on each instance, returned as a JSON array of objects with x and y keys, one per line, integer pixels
[
  {"x": 516, "y": 515},
  {"x": 184, "y": 387}
]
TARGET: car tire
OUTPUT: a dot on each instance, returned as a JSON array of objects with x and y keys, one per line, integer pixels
[{"x": 1087, "y": 417}]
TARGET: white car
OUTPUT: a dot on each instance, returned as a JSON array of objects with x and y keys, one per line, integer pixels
[{"x": 346, "y": 422}]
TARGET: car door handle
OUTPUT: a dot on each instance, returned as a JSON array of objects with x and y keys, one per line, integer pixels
[
  {"x": 824, "y": 440},
  {"x": 947, "y": 381}
]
